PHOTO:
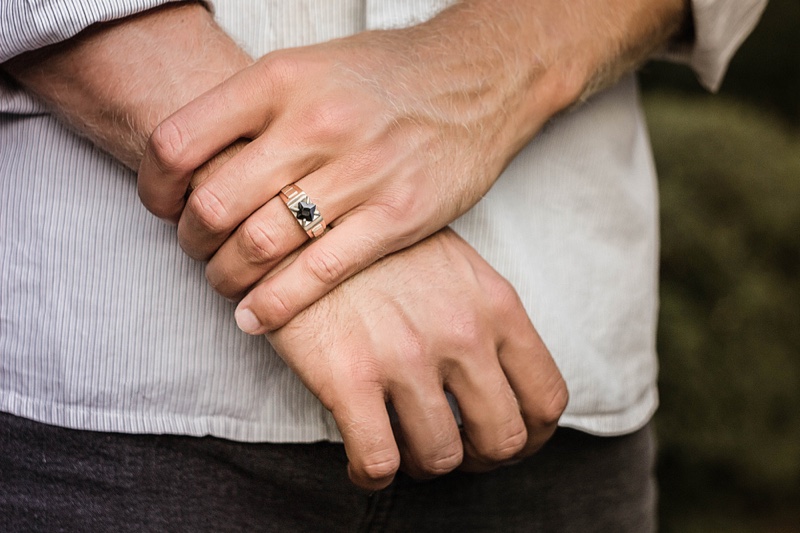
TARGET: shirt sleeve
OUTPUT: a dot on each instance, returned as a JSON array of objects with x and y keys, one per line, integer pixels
[
  {"x": 26, "y": 25},
  {"x": 720, "y": 28}
]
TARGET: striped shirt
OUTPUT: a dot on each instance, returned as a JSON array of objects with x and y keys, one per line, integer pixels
[{"x": 106, "y": 325}]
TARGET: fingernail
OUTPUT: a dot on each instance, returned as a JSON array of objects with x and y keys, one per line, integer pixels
[{"x": 247, "y": 321}]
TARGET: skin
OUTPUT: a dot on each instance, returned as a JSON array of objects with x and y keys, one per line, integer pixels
[
  {"x": 395, "y": 134},
  {"x": 400, "y": 163},
  {"x": 115, "y": 98},
  {"x": 410, "y": 352},
  {"x": 406, "y": 335}
]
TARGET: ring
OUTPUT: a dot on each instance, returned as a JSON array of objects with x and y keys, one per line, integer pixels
[{"x": 304, "y": 210}]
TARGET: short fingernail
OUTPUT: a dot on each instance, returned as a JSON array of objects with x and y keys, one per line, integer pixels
[{"x": 247, "y": 321}]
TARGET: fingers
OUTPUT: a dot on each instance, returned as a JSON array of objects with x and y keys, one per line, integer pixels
[
  {"x": 532, "y": 374},
  {"x": 539, "y": 388},
  {"x": 256, "y": 246},
  {"x": 323, "y": 265},
  {"x": 511, "y": 398},
  {"x": 198, "y": 131},
  {"x": 368, "y": 439},
  {"x": 236, "y": 190},
  {"x": 342, "y": 371},
  {"x": 493, "y": 428},
  {"x": 430, "y": 443},
  {"x": 272, "y": 232},
  {"x": 202, "y": 174},
  {"x": 468, "y": 334}
]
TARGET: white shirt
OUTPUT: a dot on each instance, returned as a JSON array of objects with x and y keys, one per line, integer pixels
[{"x": 106, "y": 325}]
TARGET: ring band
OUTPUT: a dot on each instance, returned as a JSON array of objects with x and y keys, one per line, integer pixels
[{"x": 304, "y": 210}]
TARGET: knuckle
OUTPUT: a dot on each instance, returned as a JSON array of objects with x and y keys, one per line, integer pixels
[
  {"x": 411, "y": 349},
  {"x": 443, "y": 463},
  {"x": 328, "y": 121},
  {"x": 557, "y": 404},
  {"x": 226, "y": 283},
  {"x": 396, "y": 209},
  {"x": 279, "y": 68},
  {"x": 503, "y": 295},
  {"x": 466, "y": 332},
  {"x": 274, "y": 310},
  {"x": 381, "y": 467},
  {"x": 168, "y": 146},
  {"x": 258, "y": 244},
  {"x": 395, "y": 204},
  {"x": 209, "y": 210},
  {"x": 506, "y": 447},
  {"x": 326, "y": 266},
  {"x": 217, "y": 282}
]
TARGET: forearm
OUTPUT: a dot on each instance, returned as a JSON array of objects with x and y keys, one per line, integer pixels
[
  {"x": 116, "y": 81},
  {"x": 398, "y": 132},
  {"x": 535, "y": 58}
]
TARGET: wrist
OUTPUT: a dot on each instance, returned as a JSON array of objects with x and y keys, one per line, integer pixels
[
  {"x": 550, "y": 54},
  {"x": 116, "y": 81}
]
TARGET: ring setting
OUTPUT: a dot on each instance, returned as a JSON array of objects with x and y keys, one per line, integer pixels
[{"x": 304, "y": 210}]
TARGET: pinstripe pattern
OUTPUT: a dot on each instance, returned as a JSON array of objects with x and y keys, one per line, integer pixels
[
  {"x": 31, "y": 24},
  {"x": 106, "y": 325}
]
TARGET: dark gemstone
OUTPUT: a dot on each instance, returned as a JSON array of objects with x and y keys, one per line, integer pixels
[{"x": 305, "y": 211}]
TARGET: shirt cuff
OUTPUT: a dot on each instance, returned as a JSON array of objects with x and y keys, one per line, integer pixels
[
  {"x": 720, "y": 28},
  {"x": 26, "y": 25}
]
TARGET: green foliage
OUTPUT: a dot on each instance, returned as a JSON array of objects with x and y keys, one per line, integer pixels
[
  {"x": 765, "y": 71},
  {"x": 729, "y": 341}
]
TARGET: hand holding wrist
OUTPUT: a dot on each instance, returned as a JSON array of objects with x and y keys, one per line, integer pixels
[{"x": 393, "y": 134}]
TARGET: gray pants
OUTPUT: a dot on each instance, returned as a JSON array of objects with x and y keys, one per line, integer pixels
[{"x": 56, "y": 479}]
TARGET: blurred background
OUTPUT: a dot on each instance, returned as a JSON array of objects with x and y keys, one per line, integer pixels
[{"x": 729, "y": 333}]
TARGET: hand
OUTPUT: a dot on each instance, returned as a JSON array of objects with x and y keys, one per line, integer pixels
[
  {"x": 394, "y": 134},
  {"x": 431, "y": 318}
]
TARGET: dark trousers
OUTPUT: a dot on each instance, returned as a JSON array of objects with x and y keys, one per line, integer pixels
[{"x": 56, "y": 479}]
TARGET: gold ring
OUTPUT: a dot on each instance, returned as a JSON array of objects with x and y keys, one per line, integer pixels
[{"x": 304, "y": 210}]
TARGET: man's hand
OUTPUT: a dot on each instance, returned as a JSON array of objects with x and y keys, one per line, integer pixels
[
  {"x": 489, "y": 361},
  {"x": 402, "y": 335},
  {"x": 115, "y": 81},
  {"x": 393, "y": 134}
]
